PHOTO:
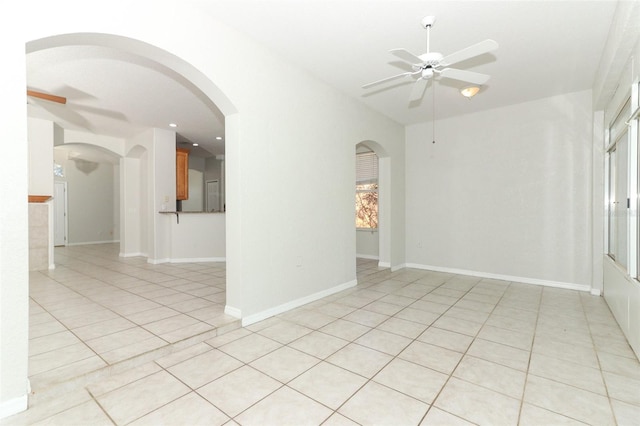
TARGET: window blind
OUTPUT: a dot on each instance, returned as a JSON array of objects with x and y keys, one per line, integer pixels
[{"x": 366, "y": 167}]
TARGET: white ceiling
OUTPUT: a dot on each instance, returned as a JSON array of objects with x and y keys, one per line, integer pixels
[
  {"x": 546, "y": 48},
  {"x": 114, "y": 93}
]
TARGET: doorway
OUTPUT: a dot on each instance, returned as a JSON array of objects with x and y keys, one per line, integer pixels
[
  {"x": 213, "y": 195},
  {"x": 375, "y": 245},
  {"x": 367, "y": 244}
]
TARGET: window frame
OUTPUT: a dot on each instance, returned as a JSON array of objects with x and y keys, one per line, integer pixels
[
  {"x": 615, "y": 140},
  {"x": 367, "y": 173},
  {"x": 633, "y": 123}
]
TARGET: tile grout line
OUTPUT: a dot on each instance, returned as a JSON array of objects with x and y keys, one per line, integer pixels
[
  {"x": 95, "y": 399},
  {"x": 533, "y": 340},
  {"x": 450, "y": 375},
  {"x": 82, "y": 276},
  {"x": 604, "y": 381}
]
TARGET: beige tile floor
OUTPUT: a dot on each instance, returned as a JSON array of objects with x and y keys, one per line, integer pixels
[
  {"x": 404, "y": 348},
  {"x": 98, "y": 312}
]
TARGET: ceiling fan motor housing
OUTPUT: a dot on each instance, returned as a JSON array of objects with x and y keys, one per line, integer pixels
[
  {"x": 428, "y": 21},
  {"x": 431, "y": 59}
]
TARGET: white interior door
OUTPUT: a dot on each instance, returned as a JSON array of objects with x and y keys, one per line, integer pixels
[
  {"x": 60, "y": 214},
  {"x": 213, "y": 196}
]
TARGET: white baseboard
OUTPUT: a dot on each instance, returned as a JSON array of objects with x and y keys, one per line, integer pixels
[
  {"x": 187, "y": 260},
  {"x": 384, "y": 265},
  {"x": 596, "y": 292},
  {"x": 525, "y": 280},
  {"x": 92, "y": 242},
  {"x": 132, "y": 254},
  {"x": 398, "y": 267},
  {"x": 199, "y": 260},
  {"x": 234, "y": 312},
  {"x": 13, "y": 406},
  {"x": 251, "y": 319},
  {"x": 367, "y": 256}
]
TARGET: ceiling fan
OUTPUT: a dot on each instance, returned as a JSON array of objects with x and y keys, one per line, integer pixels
[
  {"x": 432, "y": 64},
  {"x": 46, "y": 96}
]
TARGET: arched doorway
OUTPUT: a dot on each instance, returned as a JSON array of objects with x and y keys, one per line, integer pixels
[
  {"x": 375, "y": 243},
  {"x": 87, "y": 49},
  {"x": 89, "y": 210},
  {"x": 139, "y": 171}
]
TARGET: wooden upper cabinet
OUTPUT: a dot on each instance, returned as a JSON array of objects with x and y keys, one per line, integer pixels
[{"x": 182, "y": 174}]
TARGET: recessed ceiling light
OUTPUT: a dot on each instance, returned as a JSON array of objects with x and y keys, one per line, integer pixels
[
  {"x": 195, "y": 144},
  {"x": 173, "y": 125},
  {"x": 218, "y": 138}
]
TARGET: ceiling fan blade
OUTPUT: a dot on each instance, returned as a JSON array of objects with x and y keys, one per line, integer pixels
[
  {"x": 463, "y": 75},
  {"x": 406, "y": 56},
  {"x": 471, "y": 51},
  {"x": 46, "y": 96},
  {"x": 393, "y": 77},
  {"x": 417, "y": 91}
]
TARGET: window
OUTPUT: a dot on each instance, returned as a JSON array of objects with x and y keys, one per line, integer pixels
[
  {"x": 622, "y": 175},
  {"x": 367, "y": 190},
  {"x": 618, "y": 171},
  {"x": 58, "y": 171},
  {"x": 634, "y": 154}
]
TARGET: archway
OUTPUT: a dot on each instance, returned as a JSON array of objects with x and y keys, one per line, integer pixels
[
  {"x": 136, "y": 160},
  {"x": 383, "y": 243},
  {"x": 168, "y": 64},
  {"x": 90, "y": 209}
]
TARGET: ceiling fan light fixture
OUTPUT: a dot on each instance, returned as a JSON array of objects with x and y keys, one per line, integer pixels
[
  {"x": 431, "y": 64},
  {"x": 469, "y": 91}
]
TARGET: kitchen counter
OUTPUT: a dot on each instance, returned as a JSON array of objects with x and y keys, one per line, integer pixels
[{"x": 196, "y": 236}]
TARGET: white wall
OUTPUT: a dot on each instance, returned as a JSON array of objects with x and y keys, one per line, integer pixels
[
  {"x": 148, "y": 186},
  {"x": 367, "y": 244},
  {"x": 41, "y": 134},
  {"x": 198, "y": 237},
  {"x": 14, "y": 255},
  {"x": 162, "y": 179},
  {"x": 214, "y": 170},
  {"x": 281, "y": 249},
  {"x": 131, "y": 181},
  {"x": 92, "y": 199},
  {"x": 116, "y": 201},
  {"x": 505, "y": 192},
  {"x": 195, "y": 203}
]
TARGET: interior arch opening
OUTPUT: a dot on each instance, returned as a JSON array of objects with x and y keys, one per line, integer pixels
[
  {"x": 81, "y": 170},
  {"x": 133, "y": 289},
  {"x": 371, "y": 206}
]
